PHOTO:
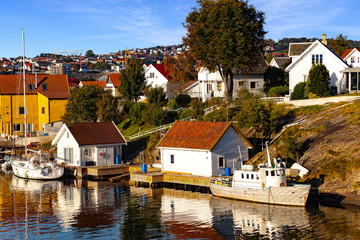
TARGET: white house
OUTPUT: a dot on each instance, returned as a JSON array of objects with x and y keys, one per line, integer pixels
[
  {"x": 280, "y": 62},
  {"x": 87, "y": 144},
  {"x": 352, "y": 58},
  {"x": 157, "y": 76},
  {"x": 112, "y": 84},
  {"x": 316, "y": 52},
  {"x": 202, "y": 148}
]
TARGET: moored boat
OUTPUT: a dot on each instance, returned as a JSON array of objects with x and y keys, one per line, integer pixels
[{"x": 264, "y": 185}]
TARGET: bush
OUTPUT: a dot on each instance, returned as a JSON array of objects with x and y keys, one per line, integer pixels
[
  {"x": 136, "y": 111},
  {"x": 154, "y": 115},
  {"x": 197, "y": 109},
  {"x": 318, "y": 80},
  {"x": 298, "y": 92},
  {"x": 182, "y": 100},
  {"x": 278, "y": 91},
  {"x": 273, "y": 77},
  {"x": 156, "y": 95}
]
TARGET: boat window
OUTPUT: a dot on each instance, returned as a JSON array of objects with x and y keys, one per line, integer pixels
[
  {"x": 247, "y": 176},
  {"x": 242, "y": 175},
  {"x": 282, "y": 172},
  {"x": 252, "y": 176},
  {"x": 257, "y": 177},
  {"x": 272, "y": 173},
  {"x": 278, "y": 173}
]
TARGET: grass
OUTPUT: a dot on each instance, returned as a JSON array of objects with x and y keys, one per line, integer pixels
[
  {"x": 127, "y": 127},
  {"x": 307, "y": 110}
]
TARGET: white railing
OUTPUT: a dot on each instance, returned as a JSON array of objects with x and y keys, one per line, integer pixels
[
  {"x": 275, "y": 99},
  {"x": 209, "y": 109}
]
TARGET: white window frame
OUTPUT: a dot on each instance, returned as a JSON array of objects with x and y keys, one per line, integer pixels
[{"x": 152, "y": 75}]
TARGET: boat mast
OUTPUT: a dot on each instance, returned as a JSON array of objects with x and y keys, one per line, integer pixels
[
  {"x": 268, "y": 155},
  {"x": 24, "y": 75}
]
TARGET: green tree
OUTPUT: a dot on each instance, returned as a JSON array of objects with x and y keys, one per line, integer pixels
[
  {"x": 318, "y": 80},
  {"x": 225, "y": 34},
  {"x": 299, "y": 91},
  {"x": 156, "y": 95},
  {"x": 106, "y": 108},
  {"x": 340, "y": 44},
  {"x": 89, "y": 53},
  {"x": 132, "y": 80},
  {"x": 182, "y": 100},
  {"x": 273, "y": 77},
  {"x": 81, "y": 106}
]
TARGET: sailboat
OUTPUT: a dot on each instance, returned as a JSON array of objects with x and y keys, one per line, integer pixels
[{"x": 35, "y": 165}]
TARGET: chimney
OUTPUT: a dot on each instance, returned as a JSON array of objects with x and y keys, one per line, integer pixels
[{"x": 324, "y": 41}]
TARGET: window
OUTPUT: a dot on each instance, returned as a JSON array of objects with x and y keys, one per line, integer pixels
[
  {"x": 7, "y": 110},
  {"x": 17, "y": 127},
  {"x": 252, "y": 176},
  {"x": 352, "y": 59},
  {"x": 242, "y": 84},
  {"x": 152, "y": 75},
  {"x": 316, "y": 58},
  {"x": 44, "y": 87},
  {"x": 247, "y": 176},
  {"x": 21, "y": 110},
  {"x": 221, "y": 161},
  {"x": 219, "y": 86},
  {"x": 68, "y": 154},
  {"x": 272, "y": 173},
  {"x": 172, "y": 159},
  {"x": 209, "y": 87},
  {"x": 253, "y": 85},
  {"x": 30, "y": 87},
  {"x": 242, "y": 176},
  {"x": 42, "y": 110},
  {"x": 88, "y": 152}
]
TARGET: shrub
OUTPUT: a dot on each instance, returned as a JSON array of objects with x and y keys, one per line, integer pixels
[
  {"x": 318, "y": 80},
  {"x": 278, "y": 91},
  {"x": 182, "y": 100},
  {"x": 154, "y": 115},
  {"x": 136, "y": 111},
  {"x": 156, "y": 95},
  {"x": 298, "y": 92}
]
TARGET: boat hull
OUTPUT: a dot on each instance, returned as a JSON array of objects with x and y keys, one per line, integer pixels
[
  {"x": 29, "y": 172},
  {"x": 296, "y": 195}
]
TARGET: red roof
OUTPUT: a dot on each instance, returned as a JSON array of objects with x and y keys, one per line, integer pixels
[
  {"x": 97, "y": 83},
  {"x": 161, "y": 69},
  {"x": 114, "y": 77},
  {"x": 96, "y": 133},
  {"x": 196, "y": 135},
  {"x": 51, "y": 86},
  {"x": 347, "y": 52}
]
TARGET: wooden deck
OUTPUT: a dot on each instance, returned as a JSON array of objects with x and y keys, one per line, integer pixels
[{"x": 108, "y": 170}]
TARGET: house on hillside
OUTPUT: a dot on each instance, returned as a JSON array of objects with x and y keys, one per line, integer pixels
[
  {"x": 88, "y": 144},
  {"x": 157, "y": 76},
  {"x": 252, "y": 79},
  {"x": 100, "y": 84},
  {"x": 202, "y": 148},
  {"x": 315, "y": 53},
  {"x": 352, "y": 58},
  {"x": 46, "y": 97},
  {"x": 112, "y": 84}
]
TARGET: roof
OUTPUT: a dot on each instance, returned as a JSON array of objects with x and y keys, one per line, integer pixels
[
  {"x": 161, "y": 69},
  {"x": 258, "y": 67},
  {"x": 296, "y": 49},
  {"x": 114, "y": 77},
  {"x": 196, "y": 135},
  {"x": 97, "y": 83},
  {"x": 282, "y": 62},
  {"x": 51, "y": 86},
  {"x": 348, "y": 51},
  {"x": 96, "y": 133}
]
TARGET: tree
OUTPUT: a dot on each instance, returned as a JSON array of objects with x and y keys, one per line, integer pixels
[
  {"x": 181, "y": 68},
  {"x": 225, "y": 34},
  {"x": 340, "y": 44},
  {"x": 299, "y": 91},
  {"x": 106, "y": 108},
  {"x": 81, "y": 106},
  {"x": 156, "y": 95},
  {"x": 132, "y": 81},
  {"x": 89, "y": 53},
  {"x": 318, "y": 80},
  {"x": 273, "y": 77}
]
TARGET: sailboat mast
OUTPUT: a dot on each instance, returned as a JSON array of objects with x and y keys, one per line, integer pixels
[{"x": 24, "y": 75}]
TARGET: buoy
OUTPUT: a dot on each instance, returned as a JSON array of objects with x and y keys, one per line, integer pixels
[
  {"x": 282, "y": 184},
  {"x": 62, "y": 164}
]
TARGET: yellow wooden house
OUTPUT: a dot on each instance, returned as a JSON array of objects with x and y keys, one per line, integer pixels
[{"x": 46, "y": 97}]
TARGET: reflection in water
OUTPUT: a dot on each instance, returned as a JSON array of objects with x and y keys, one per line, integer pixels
[{"x": 103, "y": 210}]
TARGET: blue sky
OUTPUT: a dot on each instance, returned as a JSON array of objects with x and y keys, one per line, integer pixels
[{"x": 110, "y": 25}]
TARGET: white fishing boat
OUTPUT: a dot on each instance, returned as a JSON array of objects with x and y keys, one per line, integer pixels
[
  {"x": 35, "y": 165},
  {"x": 264, "y": 185}
]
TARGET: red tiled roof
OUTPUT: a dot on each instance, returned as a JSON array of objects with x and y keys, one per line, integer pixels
[
  {"x": 161, "y": 69},
  {"x": 97, "y": 83},
  {"x": 114, "y": 77},
  {"x": 196, "y": 135},
  {"x": 347, "y": 52},
  {"x": 96, "y": 133},
  {"x": 56, "y": 85}
]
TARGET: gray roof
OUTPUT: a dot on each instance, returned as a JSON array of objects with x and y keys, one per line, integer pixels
[
  {"x": 257, "y": 68},
  {"x": 282, "y": 62},
  {"x": 296, "y": 49}
]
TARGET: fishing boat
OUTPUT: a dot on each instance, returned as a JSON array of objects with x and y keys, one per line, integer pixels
[
  {"x": 267, "y": 184},
  {"x": 35, "y": 164}
]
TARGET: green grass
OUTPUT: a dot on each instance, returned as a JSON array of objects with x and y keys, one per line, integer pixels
[
  {"x": 307, "y": 110},
  {"x": 127, "y": 128}
]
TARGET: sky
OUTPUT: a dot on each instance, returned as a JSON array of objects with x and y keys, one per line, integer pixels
[{"x": 106, "y": 26}]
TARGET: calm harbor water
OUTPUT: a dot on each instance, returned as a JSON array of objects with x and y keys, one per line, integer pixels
[{"x": 76, "y": 209}]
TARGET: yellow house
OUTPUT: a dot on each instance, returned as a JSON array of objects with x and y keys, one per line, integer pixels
[{"x": 46, "y": 97}]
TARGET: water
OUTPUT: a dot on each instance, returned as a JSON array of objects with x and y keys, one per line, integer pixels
[{"x": 76, "y": 209}]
